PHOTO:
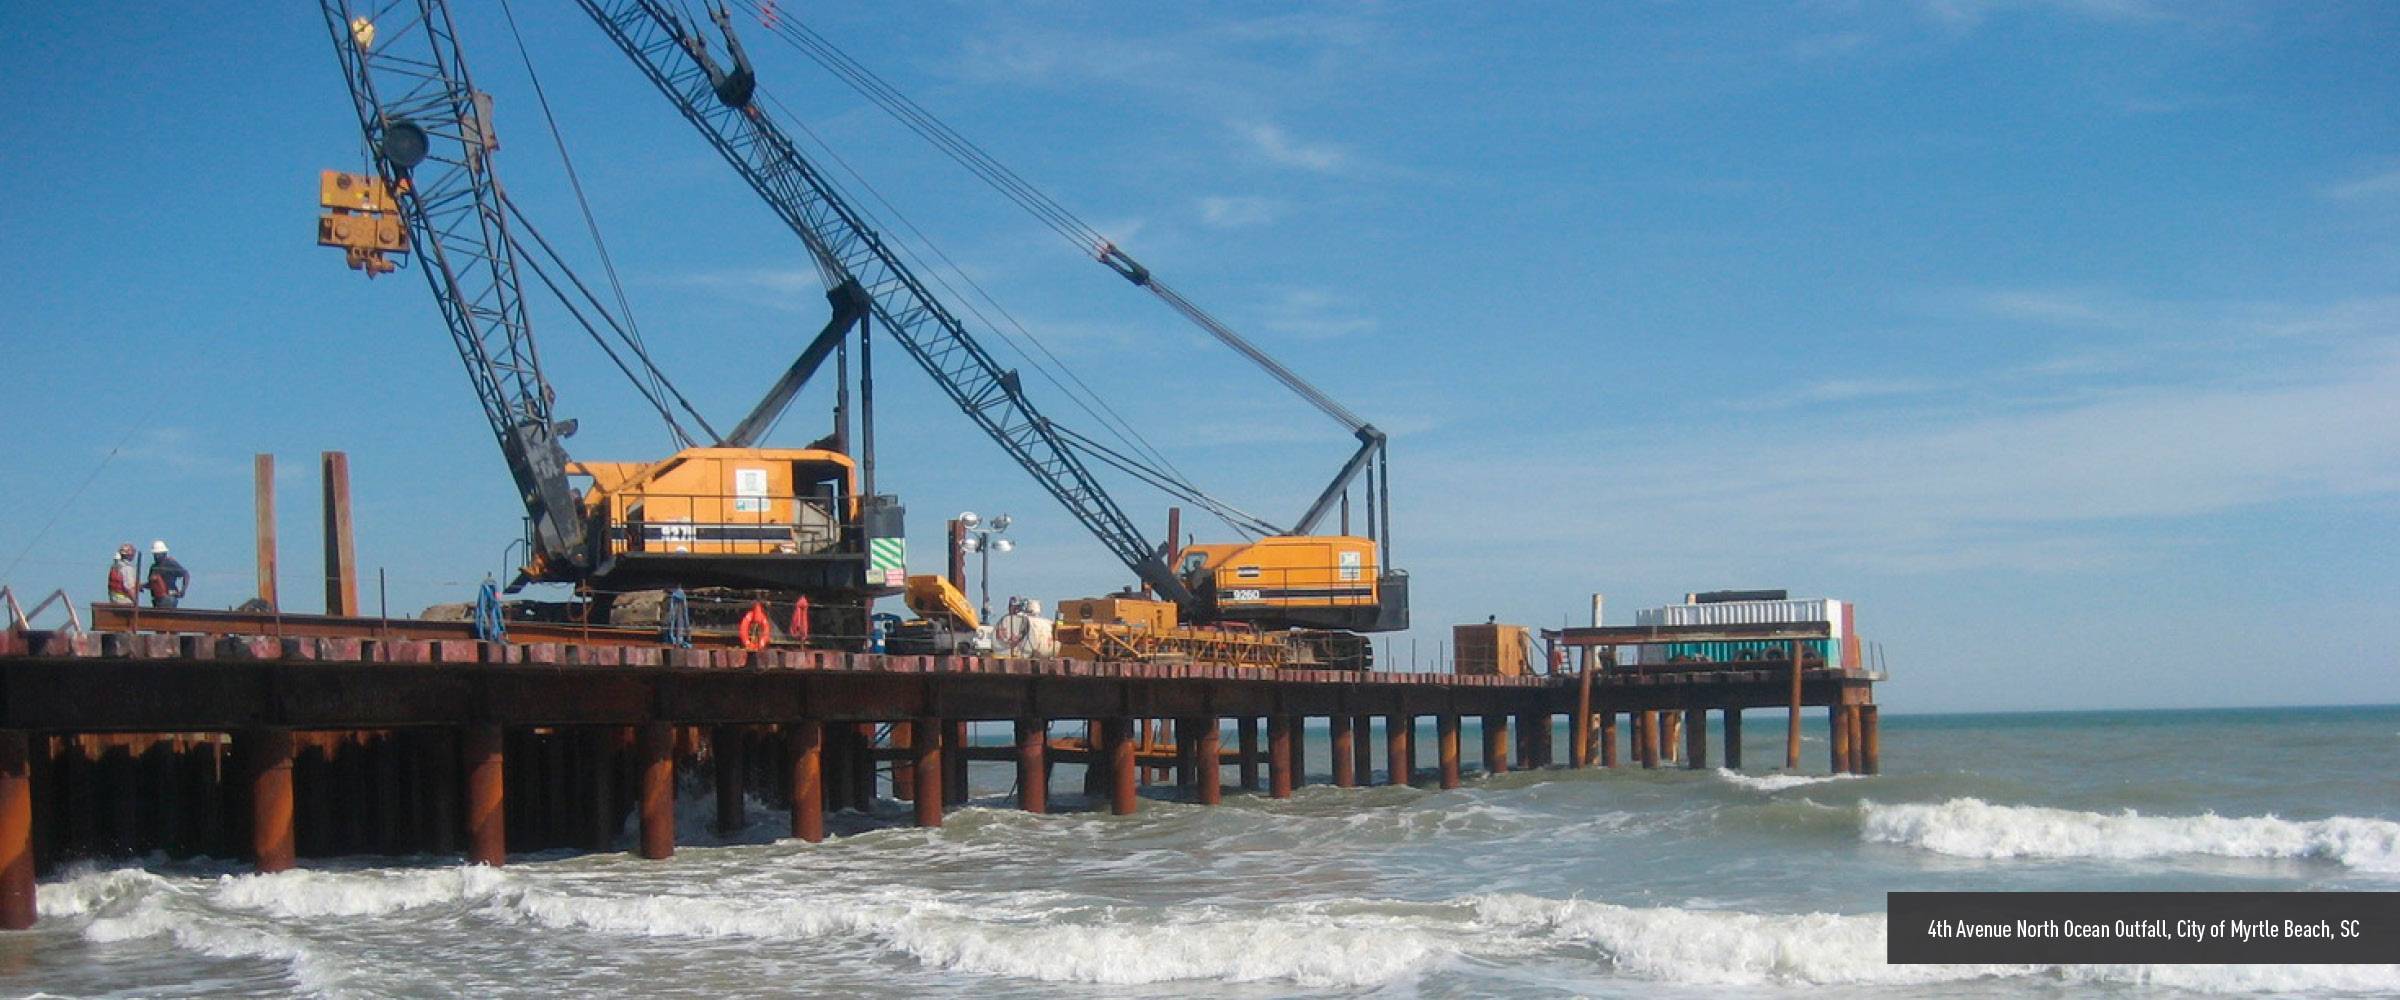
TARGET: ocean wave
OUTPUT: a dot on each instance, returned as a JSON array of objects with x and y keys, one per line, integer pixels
[
  {"x": 1732, "y": 948},
  {"x": 1724, "y": 947},
  {"x": 125, "y": 909},
  {"x": 305, "y": 894},
  {"x": 999, "y": 936},
  {"x": 1778, "y": 782},
  {"x": 1351, "y": 943},
  {"x": 1973, "y": 828}
]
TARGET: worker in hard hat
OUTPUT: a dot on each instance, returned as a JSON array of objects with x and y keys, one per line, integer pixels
[
  {"x": 167, "y": 578},
  {"x": 123, "y": 576}
]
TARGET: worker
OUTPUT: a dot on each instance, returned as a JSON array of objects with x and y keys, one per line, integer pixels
[
  {"x": 167, "y": 578},
  {"x": 123, "y": 577}
]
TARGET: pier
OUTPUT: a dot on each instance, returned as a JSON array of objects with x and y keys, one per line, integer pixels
[{"x": 282, "y": 737}]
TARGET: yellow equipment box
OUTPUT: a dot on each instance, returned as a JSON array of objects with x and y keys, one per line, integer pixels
[
  {"x": 1489, "y": 649},
  {"x": 1154, "y": 616}
]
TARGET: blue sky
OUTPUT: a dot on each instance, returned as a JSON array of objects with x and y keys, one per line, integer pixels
[{"x": 2059, "y": 336}]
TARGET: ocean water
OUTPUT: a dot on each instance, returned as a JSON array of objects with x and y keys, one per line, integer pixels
[{"x": 1628, "y": 883}]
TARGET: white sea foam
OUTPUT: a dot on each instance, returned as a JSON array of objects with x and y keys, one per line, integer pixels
[
  {"x": 304, "y": 894},
  {"x": 1779, "y": 782},
  {"x": 997, "y": 936},
  {"x": 1722, "y": 947},
  {"x": 1731, "y": 948},
  {"x": 128, "y": 911},
  {"x": 1973, "y": 828},
  {"x": 1057, "y": 937}
]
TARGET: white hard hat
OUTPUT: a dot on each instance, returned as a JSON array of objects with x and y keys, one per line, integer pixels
[{"x": 158, "y": 548}]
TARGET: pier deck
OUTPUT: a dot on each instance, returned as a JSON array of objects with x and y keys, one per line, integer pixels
[{"x": 276, "y": 737}]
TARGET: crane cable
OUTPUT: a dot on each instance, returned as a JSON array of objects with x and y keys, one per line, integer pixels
[
  {"x": 900, "y": 106},
  {"x": 1043, "y": 207},
  {"x": 533, "y": 262},
  {"x": 629, "y": 331},
  {"x": 1115, "y": 422}
]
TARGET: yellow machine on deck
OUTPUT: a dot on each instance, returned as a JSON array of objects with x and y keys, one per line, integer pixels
[
  {"x": 936, "y": 600},
  {"x": 1134, "y": 628},
  {"x": 1325, "y": 581}
]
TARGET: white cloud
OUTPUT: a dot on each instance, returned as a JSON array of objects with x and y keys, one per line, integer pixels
[
  {"x": 2383, "y": 185},
  {"x": 1279, "y": 147},
  {"x": 1314, "y": 315},
  {"x": 1237, "y": 211},
  {"x": 2065, "y": 483},
  {"x": 789, "y": 281}
]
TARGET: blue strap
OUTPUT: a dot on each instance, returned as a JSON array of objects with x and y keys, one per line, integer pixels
[
  {"x": 678, "y": 623},
  {"x": 490, "y": 624}
]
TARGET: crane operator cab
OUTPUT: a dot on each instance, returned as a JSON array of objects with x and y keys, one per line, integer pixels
[
  {"x": 1296, "y": 581},
  {"x": 780, "y": 519}
]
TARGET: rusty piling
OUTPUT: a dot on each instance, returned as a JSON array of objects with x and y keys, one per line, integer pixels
[
  {"x": 1870, "y": 725},
  {"x": 1033, "y": 765},
  {"x": 1279, "y": 756},
  {"x": 1446, "y": 738},
  {"x": 926, "y": 748},
  {"x": 16, "y": 831},
  {"x": 267, "y": 763},
  {"x": 657, "y": 748},
  {"x": 804, "y": 753},
  {"x": 1246, "y": 737},
  {"x": 1208, "y": 752},
  {"x": 1345, "y": 771},
  {"x": 1123, "y": 797},
  {"x": 1837, "y": 720},
  {"x": 487, "y": 818}
]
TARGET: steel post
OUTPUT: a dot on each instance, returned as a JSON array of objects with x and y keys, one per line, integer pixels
[
  {"x": 267, "y": 761},
  {"x": 1033, "y": 765},
  {"x": 657, "y": 749}
]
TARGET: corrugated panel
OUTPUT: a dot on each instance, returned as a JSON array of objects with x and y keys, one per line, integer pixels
[{"x": 1819, "y": 609}]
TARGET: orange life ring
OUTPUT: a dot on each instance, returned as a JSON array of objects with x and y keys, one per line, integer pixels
[
  {"x": 755, "y": 630},
  {"x": 799, "y": 626}
]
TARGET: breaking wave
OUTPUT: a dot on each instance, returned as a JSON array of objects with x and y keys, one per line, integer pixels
[
  {"x": 1973, "y": 828},
  {"x": 1732, "y": 948},
  {"x": 1778, "y": 782},
  {"x": 1058, "y": 937}
]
